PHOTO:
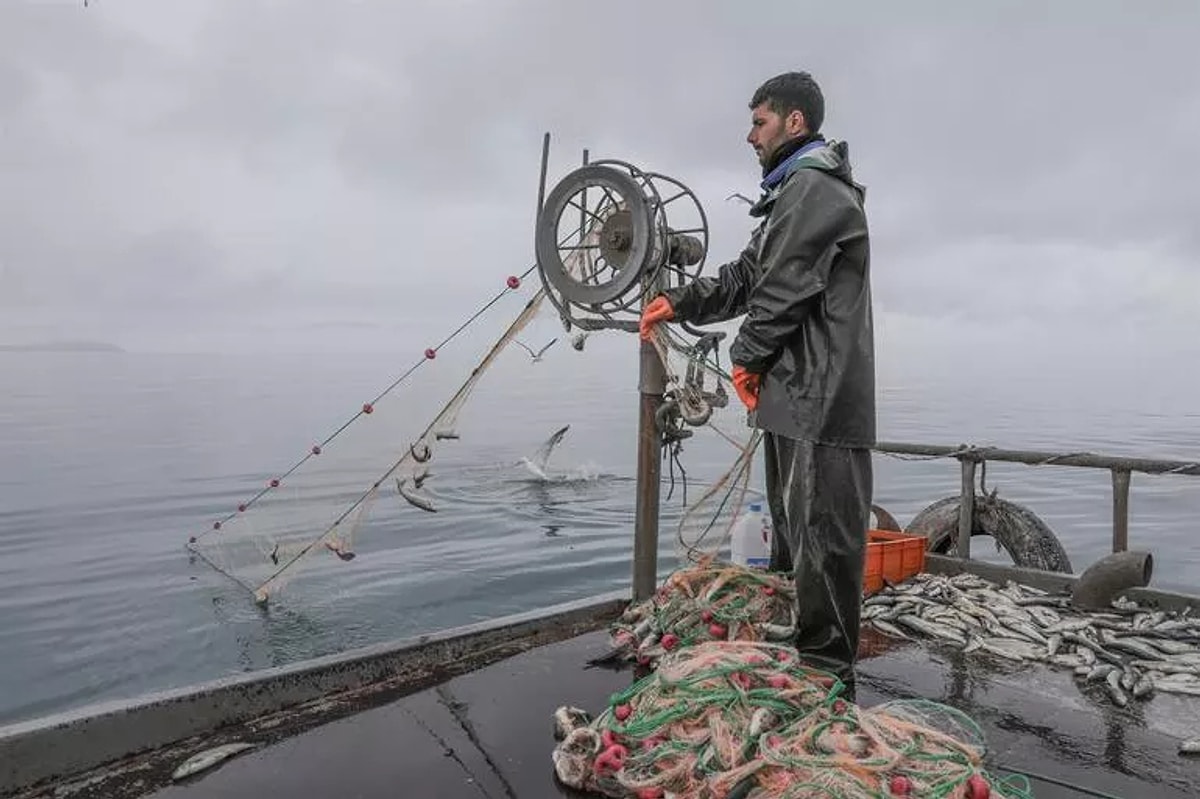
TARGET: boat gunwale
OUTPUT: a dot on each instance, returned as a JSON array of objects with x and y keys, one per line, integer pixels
[{"x": 67, "y": 746}]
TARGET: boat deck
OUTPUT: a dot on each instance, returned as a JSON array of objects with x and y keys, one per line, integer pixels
[{"x": 488, "y": 733}]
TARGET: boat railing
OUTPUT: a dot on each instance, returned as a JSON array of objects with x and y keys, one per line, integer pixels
[{"x": 971, "y": 456}]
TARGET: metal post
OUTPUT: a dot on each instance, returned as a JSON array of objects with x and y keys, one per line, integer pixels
[
  {"x": 583, "y": 211},
  {"x": 1120, "y": 482},
  {"x": 966, "y": 509},
  {"x": 652, "y": 384},
  {"x": 542, "y": 180}
]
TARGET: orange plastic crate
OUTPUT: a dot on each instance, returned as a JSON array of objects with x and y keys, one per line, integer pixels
[{"x": 892, "y": 556}]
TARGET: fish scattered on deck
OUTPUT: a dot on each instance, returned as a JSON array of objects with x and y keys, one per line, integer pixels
[
  {"x": 1127, "y": 652},
  {"x": 209, "y": 758}
]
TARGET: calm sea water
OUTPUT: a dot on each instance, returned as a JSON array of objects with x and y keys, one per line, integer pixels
[{"x": 112, "y": 460}]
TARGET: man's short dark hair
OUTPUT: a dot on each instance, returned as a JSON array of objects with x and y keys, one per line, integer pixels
[{"x": 793, "y": 91}]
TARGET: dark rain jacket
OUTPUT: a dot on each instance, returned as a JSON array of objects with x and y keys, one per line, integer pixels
[{"x": 803, "y": 283}]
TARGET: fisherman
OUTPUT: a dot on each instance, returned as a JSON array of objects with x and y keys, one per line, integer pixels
[{"x": 803, "y": 360}]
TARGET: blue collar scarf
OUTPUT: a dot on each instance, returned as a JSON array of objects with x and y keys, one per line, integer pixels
[{"x": 776, "y": 176}]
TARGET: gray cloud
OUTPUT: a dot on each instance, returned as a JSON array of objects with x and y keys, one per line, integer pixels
[{"x": 173, "y": 171}]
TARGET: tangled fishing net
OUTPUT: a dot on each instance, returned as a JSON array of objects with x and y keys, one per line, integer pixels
[
  {"x": 748, "y": 720},
  {"x": 713, "y": 601}
]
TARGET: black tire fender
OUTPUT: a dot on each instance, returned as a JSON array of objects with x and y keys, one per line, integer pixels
[{"x": 1027, "y": 539}]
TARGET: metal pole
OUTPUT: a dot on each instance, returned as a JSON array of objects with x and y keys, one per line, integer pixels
[
  {"x": 652, "y": 384},
  {"x": 542, "y": 179},
  {"x": 1032, "y": 458},
  {"x": 966, "y": 509},
  {"x": 584, "y": 202},
  {"x": 1120, "y": 482}
]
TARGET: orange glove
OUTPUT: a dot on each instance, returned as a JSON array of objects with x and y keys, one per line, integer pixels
[
  {"x": 659, "y": 310},
  {"x": 746, "y": 384}
]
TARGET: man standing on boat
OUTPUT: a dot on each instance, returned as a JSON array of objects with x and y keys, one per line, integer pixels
[{"x": 803, "y": 359}]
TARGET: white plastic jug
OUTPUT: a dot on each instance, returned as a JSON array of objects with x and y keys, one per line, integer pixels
[{"x": 751, "y": 540}]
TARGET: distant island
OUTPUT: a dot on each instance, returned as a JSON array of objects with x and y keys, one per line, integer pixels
[{"x": 62, "y": 346}]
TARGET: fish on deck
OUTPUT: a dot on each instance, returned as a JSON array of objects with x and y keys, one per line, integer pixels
[{"x": 205, "y": 760}]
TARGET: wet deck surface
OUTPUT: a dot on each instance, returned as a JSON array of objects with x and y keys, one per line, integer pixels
[{"x": 489, "y": 733}]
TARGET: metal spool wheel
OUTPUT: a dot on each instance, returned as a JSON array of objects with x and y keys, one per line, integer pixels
[
  {"x": 696, "y": 228},
  {"x": 603, "y": 234}
]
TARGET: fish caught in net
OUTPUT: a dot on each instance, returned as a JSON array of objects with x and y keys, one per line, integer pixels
[{"x": 265, "y": 543}]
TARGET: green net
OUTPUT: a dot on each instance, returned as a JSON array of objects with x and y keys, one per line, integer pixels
[
  {"x": 727, "y": 713},
  {"x": 713, "y": 601}
]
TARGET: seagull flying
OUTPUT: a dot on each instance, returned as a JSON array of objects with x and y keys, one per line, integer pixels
[{"x": 537, "y": 356}]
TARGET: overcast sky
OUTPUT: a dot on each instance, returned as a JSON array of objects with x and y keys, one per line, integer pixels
[{"x": 228, "y": 174}]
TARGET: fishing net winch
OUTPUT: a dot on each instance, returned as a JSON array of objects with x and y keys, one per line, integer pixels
[
  {"x": 609, "y": 238},
  {"x": 638, "y": 232}
]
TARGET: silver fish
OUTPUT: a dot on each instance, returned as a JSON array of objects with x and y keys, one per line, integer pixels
[
  {"x": 209, "y": 758},
  {"x": 1071, "y": 661},
  {"x": 930, "y": 628},
  {"x": 1135, "y": 650},
  {"x": 1118, "y": 696},
  {"x": 1027, "y": 630},
  {"x": 567, "y": 719},
  {"x": 1169, "y": 687},
  {"x": 889, "y": 628},
  {"x": 1044, "y": 616},
  {"x": 777, "y": 632},
  {"x": 1190, "y": 747},
  {"x": 1166, "y": 666},
  {"x": 1172, "y": 647},
  {"x": 1069, "y": 626},
  {"x": 761, "y": 721},
  {"x": 1133, "y": 647},
  {"x": 414, "y": 499},
  {"x": 643, "y": 627}
]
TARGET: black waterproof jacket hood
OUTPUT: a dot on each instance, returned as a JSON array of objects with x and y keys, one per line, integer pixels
[{"x": 803, "y": 284}]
